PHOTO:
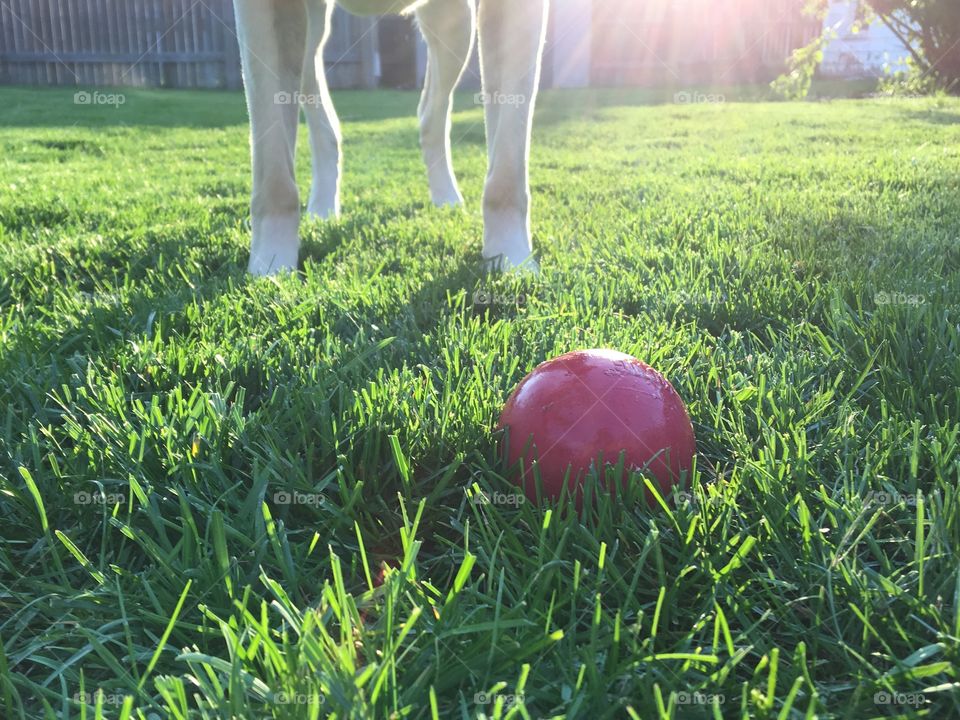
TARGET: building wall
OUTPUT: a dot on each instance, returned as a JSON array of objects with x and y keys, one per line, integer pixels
[{"x": 873, "y": 52}]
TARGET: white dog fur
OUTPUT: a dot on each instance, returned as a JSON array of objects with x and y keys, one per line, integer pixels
[{"x": 282, "y": 43}]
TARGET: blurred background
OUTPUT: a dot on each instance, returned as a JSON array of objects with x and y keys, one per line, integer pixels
[{"x": 648, "y": 43}]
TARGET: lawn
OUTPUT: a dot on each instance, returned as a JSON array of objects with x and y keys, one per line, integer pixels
[{"x": 232, "y": 498}]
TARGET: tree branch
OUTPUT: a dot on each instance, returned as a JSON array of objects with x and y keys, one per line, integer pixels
[{"x": 891, "y": 23}]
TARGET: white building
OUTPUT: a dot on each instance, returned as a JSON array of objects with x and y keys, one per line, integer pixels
[{"x": 873, "y": 52}]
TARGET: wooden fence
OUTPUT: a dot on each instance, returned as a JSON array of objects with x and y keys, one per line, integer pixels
[
  {"x": 193, "y": 43},
  {"x": 696, "y": 41},
  {"x": 151, "y": 43}
]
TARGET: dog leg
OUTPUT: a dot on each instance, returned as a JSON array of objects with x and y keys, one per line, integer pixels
[
  {"x": 325, "y": 138},
  {"x": 272, "y": 42},
  {"x": 449, "y": 27},
  {"x": 512, "y": 34}
]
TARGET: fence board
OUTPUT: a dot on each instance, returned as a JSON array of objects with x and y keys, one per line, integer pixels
[
  {"x": 696, "y": 41},
  {"x": 151, "y": 43}
]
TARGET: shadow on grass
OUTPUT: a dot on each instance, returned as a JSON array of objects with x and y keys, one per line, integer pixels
[
  {"x": 98, "y": 330},
  {"x": 935, "y": 117},
  {"x": 30, "y": 107}
]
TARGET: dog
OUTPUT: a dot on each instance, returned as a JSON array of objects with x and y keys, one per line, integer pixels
[{"x": 282, "y": 44}]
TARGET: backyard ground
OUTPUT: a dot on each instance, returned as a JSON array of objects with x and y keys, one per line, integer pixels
[{"x": 233, "y": 498}]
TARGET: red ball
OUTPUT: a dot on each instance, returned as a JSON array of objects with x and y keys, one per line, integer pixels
[{"x": 571, "y": 409}]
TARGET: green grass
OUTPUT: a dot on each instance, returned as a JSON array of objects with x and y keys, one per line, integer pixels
[{"x": 794, "y": 270}]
